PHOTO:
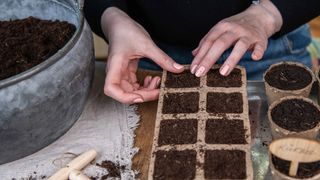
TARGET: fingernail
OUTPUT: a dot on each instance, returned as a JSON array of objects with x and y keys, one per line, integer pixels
[
  {"x": 139, "y": 100},
  {"x": 177, "y": 66},
  {"x": 193, "y": 69},
  {"x": 200, "y": 71},
  {"x": 225, "y": 70},
  {"x": 255, "y": 56},
  {"x": 194, "y": 52},
  {"x": 158, "y": 82}
]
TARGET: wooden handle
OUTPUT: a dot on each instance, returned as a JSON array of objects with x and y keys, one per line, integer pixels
[
  {"x": 77, "y": 175},
  {"x": 81, "y": 161},
  {"x": 62, "y": 174},
  {"x": 76, "y": 164}
]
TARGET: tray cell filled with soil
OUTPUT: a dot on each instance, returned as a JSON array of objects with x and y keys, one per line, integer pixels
[
  {"x": 181, "y": 103},
  {"x": 224, "y": 103},
  {"x": 175, "y": 165},
  {"x": 225, "y": 164},
  {"x": 182, "y": 131},
  {"x": 215, "y": 79},
  {"x": 225, "y": 131},
  {"x": 28, "y": 42},
  {"x": 183, "y": 80},
  {"x": 202, "y": 132}
]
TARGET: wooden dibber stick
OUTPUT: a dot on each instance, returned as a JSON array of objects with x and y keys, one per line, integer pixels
[
  {"x": 296, "y": 150},
  {"x": 77, "y": 175},
  {"x": 76, "y": 164}
]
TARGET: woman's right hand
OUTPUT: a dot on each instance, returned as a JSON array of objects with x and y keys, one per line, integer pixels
[{"x": 128, "y": 42}]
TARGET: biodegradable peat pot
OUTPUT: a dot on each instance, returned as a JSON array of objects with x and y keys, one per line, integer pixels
[
  {"x": 318, "y": 82},
  {"x": 39, "y": 105},
  {"x": 292, "y": 109},
  {"x": 294, "y": 158},
  {"x": 277, "y": 175},
  {"x": 287, "y": 79}
]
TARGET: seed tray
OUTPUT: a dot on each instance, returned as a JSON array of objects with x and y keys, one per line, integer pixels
[{"x": 202, "y": 111}]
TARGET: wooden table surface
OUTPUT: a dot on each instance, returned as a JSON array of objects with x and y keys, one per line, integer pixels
[{"x": 144, "y": 133}]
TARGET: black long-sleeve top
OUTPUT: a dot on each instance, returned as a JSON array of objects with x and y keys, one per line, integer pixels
[{"x": 185, "y": 22}]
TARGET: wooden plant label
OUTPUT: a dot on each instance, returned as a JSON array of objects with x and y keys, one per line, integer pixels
[{"x": 296, "y": 150}]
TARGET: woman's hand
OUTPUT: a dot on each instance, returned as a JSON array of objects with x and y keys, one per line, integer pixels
[
  {"x": 248, "y": 30},
  {"x": 128, "y": 42}
]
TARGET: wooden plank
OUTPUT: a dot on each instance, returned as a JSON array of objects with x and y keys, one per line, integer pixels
[{"x": 144, "y": 133}]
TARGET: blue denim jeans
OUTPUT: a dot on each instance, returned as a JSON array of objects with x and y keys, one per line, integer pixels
[{"x": 290, "y": 47}]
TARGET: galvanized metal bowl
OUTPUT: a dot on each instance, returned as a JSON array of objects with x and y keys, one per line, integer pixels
[{"x": 42, "y": 103}]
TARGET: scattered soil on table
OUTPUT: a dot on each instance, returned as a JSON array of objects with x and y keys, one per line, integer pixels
[
  {"x": 28, "y": 42},
  {"x": 305, "y": 170},
  {"x": 181, "y": 103},
  {"x": 31, "y": 177},
  {"x": 182, "y": 131},
  {"x": 254, "y": 116},
  {"x": 215, "y": 79},
  {"x": 175, "y": 165},
  {"x": 182, "y": 80},
  {"x": 224, "y": 103},
  {"x": 225, "y": 131},
  {"x": 114, "y": 170},
  {"x": 288, "y": 77},
  {"x": 225, "y": 164},
  {"x": 295, "y": 115}
]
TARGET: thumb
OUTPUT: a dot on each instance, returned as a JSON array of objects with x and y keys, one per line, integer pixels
[{"x": 163, "y": 60}]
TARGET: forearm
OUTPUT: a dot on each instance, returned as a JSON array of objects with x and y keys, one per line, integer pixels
[
  {"x": 296, "y": 13},
  {"x": 94, "y": 9},
  {"x": 269, "y": 16},
  {"x": 110, "y": 18}
]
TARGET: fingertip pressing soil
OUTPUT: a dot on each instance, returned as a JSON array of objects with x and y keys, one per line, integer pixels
[
  {"x": 305, "y": 170},
  {"x": 225, "y": 164},
  {"x": 288, "y": 77},
  {"x": 215, "y": 79},
  {"x": 28, "y": 42},
  {"x": 224, "y": 103},
  {"x": 182, "y": 80},
  {"x": 180, "y": 103},
  {"x": 178, "y": 165},
  {"x": 182, "y": 131},
  {"x": 295, "y": 115},
  {"x": 225, "y": 131}
]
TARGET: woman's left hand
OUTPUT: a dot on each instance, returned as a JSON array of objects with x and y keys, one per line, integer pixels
[{"x": 248, "y": 30}]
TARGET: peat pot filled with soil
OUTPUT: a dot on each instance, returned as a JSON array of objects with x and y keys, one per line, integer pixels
[
  {"x": 46, "y": 70},
  {"x": 288, "y": 79},
  {"x": 318, "y": 79},
  {"x": 285, "y": 152},
  {"x": 306, "y": 171},
  {"x": 294, "y": 116}
]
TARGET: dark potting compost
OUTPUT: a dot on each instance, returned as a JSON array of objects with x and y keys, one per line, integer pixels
[
  {"x": 27, "y": 42},
  {"x": 215, "y": 79},
  {"x": 288, "y": 77},
  {"x": 295, "y": 115}
]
